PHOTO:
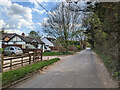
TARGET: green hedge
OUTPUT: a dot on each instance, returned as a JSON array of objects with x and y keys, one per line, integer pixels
[
  {"x": 13, "y": 75},
  {"x": 109, "y": 63},
  {"x": 56, "y": 53}
]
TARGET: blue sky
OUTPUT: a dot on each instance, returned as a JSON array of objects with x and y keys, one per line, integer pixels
[{"x": 24, "y": 16}]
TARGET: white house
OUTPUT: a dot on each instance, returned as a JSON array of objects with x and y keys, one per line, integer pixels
[{"x": 23, "y": 40}]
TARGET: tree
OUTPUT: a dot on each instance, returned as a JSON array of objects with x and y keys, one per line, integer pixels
[
  {"x": 103, "y": 31},
  {"x": 62, "y": 23},
  {"x": 35, "y": 34}
]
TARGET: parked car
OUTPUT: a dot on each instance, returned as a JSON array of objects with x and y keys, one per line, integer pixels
[
  {"x": 28, "y": 47},
  {"x": 12, "y": 50}
]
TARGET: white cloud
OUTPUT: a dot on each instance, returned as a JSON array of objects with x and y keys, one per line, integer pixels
[
  {"x": 19, "y": 16},
  {"x": 45, "y": 19},
  {"x": 39, "y": 24},
  {"x": 5, "y": 3},
  {"x": 2, "y": 23},
  {"x": 7, "y": 26},
  {"x": 41, "y": 12},
  {"x": 13, "y": 31},
  {"x": 45, "y": 4}
]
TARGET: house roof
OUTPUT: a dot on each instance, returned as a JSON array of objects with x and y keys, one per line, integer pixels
[
  {"x": 50, "y": 38},
  {"x": 47, "y": 42},
  {"x": 40, "y": 41},
  {"x": 4, "y": 35},
  {"x": 27, "y": 39}
]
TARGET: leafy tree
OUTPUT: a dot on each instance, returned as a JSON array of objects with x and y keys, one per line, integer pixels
[
  {"x": 103, "y": 30},
  {"x": 35, "y": 34}
]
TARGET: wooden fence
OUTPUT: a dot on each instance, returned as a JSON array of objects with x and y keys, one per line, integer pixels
[{"x": 16, "y": 61}]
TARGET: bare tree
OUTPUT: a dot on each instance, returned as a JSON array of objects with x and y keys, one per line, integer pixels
[{"x": 62, "y": 23}]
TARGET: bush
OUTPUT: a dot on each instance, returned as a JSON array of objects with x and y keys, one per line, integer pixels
[
  {"x": 1, "y": 50},
  {"x": 78, "y": 47}
]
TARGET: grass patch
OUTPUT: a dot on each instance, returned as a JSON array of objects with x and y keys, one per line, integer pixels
[
  {"x": 109, "y": 63},
  {"x": 13, "y": 75},
  {"x": 56, "y": 53}
]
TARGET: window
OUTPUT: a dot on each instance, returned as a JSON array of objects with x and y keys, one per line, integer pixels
[
  {"x": 11, "y": 48},
  {"x": 26, "y": 47},
  {"x": 6, "y": 48},
  {"x": 19, "y": 49},
  {"x": 14, "y": 42}
]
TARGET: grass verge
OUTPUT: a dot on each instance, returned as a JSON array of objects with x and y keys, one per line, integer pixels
[
  {"x": 13, "y": 75},
  {"x": 109, "y": 63},
  {"x": 56, "y": 53}
]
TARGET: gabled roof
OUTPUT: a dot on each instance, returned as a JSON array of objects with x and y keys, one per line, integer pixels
[
  {"x": 27, "y": 39},
  {"x": 4, "y": 35},
  {"x": 40, "y": 41},
  {"x": 47, "y": 42}
]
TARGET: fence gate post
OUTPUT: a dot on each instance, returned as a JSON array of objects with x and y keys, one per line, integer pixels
[
  {"x": 34, "y": 56},
  {"x": 10, "y": 64},
  {"x": 22, "y": 61},
  {"x": 2, "y": 58},
  {"x": 29, "y": 58},
  {"x": 38, "y": 55},
  {"x": 41, "y": 54}
]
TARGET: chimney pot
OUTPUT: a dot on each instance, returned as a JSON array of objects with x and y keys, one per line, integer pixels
[{"x": 23, "y": 34}]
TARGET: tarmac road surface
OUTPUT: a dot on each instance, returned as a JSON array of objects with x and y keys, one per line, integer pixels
[{"x": 82, "y": 70}]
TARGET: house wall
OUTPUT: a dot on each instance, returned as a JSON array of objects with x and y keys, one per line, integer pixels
[
  {"x": 40, "y": 45},
  {"x": 16, "y": 40},
  {"x": 43, "y": 47}
]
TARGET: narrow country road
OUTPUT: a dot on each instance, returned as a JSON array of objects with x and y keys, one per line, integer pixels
[{"x": 82, "y": 70}]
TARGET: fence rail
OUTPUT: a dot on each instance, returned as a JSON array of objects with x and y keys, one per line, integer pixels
[{"x": 16, "y": 61}]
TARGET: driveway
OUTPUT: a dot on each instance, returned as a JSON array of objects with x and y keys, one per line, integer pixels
[{"x": 82, "y": 70}]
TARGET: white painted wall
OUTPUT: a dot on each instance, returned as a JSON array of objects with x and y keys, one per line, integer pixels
[
  {"x": 44, "y": 48},
  {"x": 16, "y": 38},
  {"x": 10, "y": 43},
  {"x": 20, "y": 43},
  {"x": 39, "y": 47}
]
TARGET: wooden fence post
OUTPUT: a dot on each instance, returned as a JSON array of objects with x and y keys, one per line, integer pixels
[
  {"x": 29, "y": 58},
  {"x": 33, "y": 56},
  {"x": 41, "y": 54},
  {"x": 2, "y": 58},
  {"x": 10, "y": 64},
  {"x": 38, "y": 55},
  {"x": 22, "y": 61}
]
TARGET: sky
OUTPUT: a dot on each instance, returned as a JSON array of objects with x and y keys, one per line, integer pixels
[{"x": 24, "y": 15}]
